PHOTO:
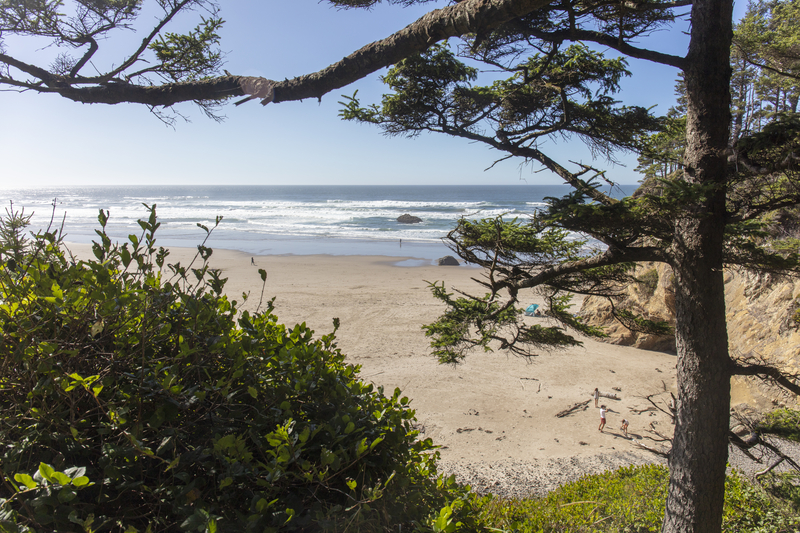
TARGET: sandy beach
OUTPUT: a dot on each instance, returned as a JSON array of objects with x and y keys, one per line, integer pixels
[{"x": 494, "y": 415}]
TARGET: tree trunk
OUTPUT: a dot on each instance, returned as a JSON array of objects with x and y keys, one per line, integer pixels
[{"x": 700, "y": 450}]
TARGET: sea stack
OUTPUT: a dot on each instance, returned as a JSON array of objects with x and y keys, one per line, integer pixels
[{"x": 408, "y": 219}]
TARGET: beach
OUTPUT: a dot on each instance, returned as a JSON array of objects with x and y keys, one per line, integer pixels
[{"x": 494, "y": 416}]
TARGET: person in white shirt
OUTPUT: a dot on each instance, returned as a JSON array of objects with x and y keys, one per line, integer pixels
[{"x": 603, "y": 412}]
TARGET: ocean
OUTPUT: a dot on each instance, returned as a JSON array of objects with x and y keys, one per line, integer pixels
[{"x": 301, "y": 220}]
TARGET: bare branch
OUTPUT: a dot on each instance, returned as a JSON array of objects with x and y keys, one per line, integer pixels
[{"x": 787, "y": 380}]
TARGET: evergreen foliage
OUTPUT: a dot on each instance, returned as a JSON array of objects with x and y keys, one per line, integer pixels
[{"x": 567, "y": 91}]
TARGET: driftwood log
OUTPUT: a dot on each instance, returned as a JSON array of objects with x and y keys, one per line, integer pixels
[{"x": 580, "y": 406}]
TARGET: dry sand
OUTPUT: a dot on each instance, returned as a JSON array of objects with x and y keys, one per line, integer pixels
[{"x": 494, "y": 415}]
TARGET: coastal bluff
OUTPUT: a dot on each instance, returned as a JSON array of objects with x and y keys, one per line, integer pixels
[{"x": 762, "y": 310}]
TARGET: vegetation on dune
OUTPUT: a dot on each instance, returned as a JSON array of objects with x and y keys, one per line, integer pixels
[
  {"x": 631, "y": 500},
  {"x": 137, "y": 398}
]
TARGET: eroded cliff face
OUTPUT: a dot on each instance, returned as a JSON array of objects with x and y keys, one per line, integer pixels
[
  {"x": 760, "y": 308},
  {"x": 654, "y": 299},
  {"x": 761, "y": 323}
]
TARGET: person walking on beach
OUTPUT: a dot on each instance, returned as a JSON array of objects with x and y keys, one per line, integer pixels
[
  {"x": 252, "y": 261},
  {"x": 624, "y": 427},
  {"x": 603, "y": 412},
  {"x": 596, "y": 396}
]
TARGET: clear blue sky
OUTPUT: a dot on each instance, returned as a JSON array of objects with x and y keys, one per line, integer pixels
[{"x": 46, "y": 140}]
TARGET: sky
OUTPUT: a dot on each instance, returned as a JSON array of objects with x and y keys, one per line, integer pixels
[{"x": 46, "y": 140}]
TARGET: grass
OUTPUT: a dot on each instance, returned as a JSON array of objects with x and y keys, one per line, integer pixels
[{"x": 630, "y": 500}]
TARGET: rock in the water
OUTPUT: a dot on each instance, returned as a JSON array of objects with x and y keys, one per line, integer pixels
[
  {"x": 408, "y": 219},
  {"x": 448, "y": 260}
]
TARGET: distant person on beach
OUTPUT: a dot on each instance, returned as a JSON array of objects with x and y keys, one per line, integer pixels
[
  {"x": 252, "y": 261},
  {"x": 603, "y": 412},
  {"x": 624, "y": 427},
  {"x": 596, "y": 396}
]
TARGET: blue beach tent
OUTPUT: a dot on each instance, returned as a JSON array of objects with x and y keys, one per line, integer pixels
[{"x": 531, "y": 309}]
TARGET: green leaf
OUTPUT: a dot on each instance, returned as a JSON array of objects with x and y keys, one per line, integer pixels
[
  {"x": 80, "y": 481},
  {"x": 196, "y": 521},
  {"x": 61, "y": 478},
  {"x": 262, "y": 505},
  {"x": 67, "y": 494},
  {"x": 47, "y": 471},
  {"x": 26, "y": 480},
  {"x": 173, "y": 464}
]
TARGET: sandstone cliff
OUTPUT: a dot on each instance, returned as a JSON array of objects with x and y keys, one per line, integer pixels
[
  {"x": 762, "y": 311},
  {"x": 653, "y": 298}
]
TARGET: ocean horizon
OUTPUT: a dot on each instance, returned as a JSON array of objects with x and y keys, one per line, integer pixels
[{"x": 285, "y": 219}]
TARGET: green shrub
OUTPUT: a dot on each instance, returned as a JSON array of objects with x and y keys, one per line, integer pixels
[
  {"x": 781, "y": 422},
  {"x": 136, "y": 398},
  {"x": 630, "y": 500},
  {"x": 648, "y": 282},
  {"x": 783, "y": 485}
]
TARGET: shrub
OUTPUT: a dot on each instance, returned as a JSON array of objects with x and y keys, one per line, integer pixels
[
  {"x": 136, "y": 398},
  {"x": 631, "y": 500},
  {"x": 648, "y": 282},
  {"x": 781, "y": 422}
]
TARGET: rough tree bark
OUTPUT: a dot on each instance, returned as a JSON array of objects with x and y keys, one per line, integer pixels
[{"x": 700, "y": 450}]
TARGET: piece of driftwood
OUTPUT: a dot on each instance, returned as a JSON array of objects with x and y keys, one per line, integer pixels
[
  {"x": 768, "y": 470},
  {"x": 582, "y": 406},
  {"x": 662, "y": 453},
  {"x": 529, "y": 379},
  {"x": 610, "y": 396}
]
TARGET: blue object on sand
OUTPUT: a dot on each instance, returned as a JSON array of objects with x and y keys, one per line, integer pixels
[{"x": 531, "y": 309}]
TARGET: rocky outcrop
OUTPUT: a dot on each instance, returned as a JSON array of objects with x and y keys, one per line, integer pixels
[
  {"x": 447, "y": 260},
  {"x": 408, "y": 219},
  {"x": 762, "y": 310},
  {"x": 762, "y": 314},
  {"x": 653, "y": 298}
]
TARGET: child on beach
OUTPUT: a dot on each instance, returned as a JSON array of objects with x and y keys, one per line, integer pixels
[
  {"x": 603, "y": 412},
  {"x": 596, "y": 396},
  {"x": 624, "y": 427}
]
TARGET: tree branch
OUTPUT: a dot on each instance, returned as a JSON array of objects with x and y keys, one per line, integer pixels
[
  {"x": 609, "y": 257},
  {"x": 612, "y": 42},
  {"x": 147, "y": 40},
  {"x": 464, "y": 17},
  {"x": 470, "y": 16},
  {"x": 769, "y": 372}
]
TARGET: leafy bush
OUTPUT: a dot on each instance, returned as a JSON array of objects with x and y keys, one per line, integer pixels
[
  {"x": 136, "y": 398},
  {"x": 648, "y": 282},
  {"x": 631, "y": 500},
  {"x": 783, "y": 485}
]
